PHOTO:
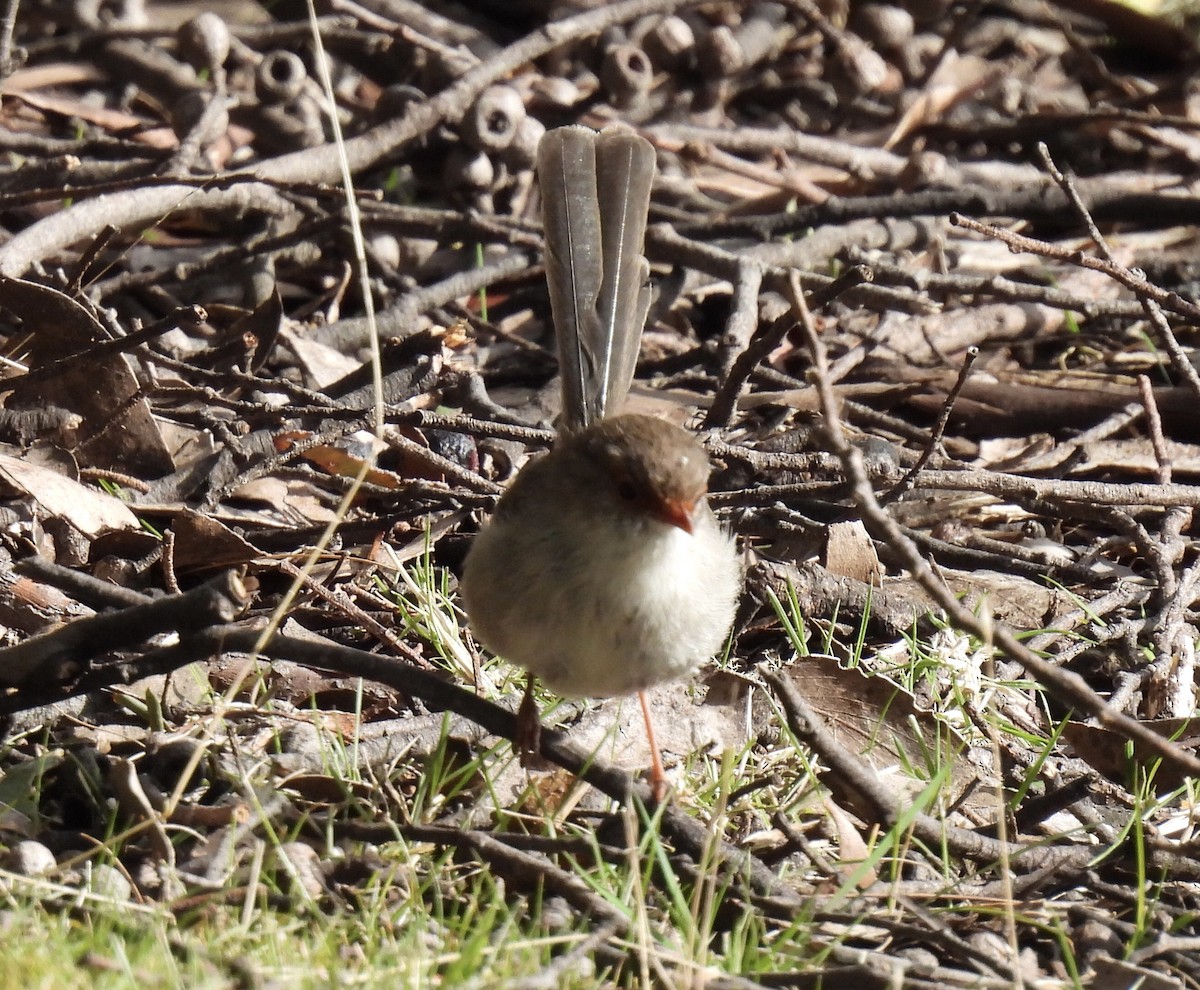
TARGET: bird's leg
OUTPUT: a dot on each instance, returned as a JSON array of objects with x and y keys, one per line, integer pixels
[
  {"x": 658, "y": 780},
  {"x": 528, "y": 738}
]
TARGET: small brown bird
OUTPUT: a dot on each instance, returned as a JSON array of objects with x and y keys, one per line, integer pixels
[{"x": 603, "y": 571}]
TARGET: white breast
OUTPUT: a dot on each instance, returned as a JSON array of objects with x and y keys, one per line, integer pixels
[{"x": 646, "y": 607}]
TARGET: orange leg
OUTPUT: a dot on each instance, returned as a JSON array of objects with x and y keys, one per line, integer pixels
[{"x": 658, "y": 779}]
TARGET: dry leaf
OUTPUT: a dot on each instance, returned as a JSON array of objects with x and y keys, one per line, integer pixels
[
  {"x": 203, "y": 543},
  {"x": 1116, "y": 757},
  {"x": 878, "y": 721},
  {"x": 91, "y": 512},
  {"x": 120, "y": 430},
  {"x": 850, "y": 553}
]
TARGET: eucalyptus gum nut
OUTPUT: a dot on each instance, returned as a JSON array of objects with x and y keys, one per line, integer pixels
[
  {"x": 204, "y": 41},
  {"x": 626, "y": 74},
  {"x": 557, "y": 91},
  {"x": 719, "y": 53},
  {"x": 492, "y": 122},
  {"x": 472, "y": 170},
  {"x": 523, "y": 150},
  {"x": 280, "y": 77},
  {"x": 887, "y": 27},
  {"x": 670, "y": 41},
  {"x": 112, "y": 14}
]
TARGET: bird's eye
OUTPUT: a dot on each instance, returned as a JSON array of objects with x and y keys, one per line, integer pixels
[{"x": 627, "y": 490}]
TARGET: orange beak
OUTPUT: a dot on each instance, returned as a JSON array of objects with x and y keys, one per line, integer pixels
[{"x": 677, "y": 512}]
